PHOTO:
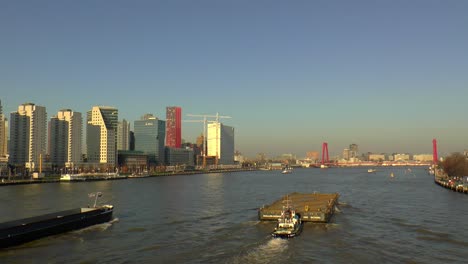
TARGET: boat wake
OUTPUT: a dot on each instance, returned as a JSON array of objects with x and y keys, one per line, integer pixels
[
  {"x": 269, "y": 252},
  {"x": 98, "y": 227},
  {"x": 332, "y": 226},
  {"x": 343, "y": 204}
]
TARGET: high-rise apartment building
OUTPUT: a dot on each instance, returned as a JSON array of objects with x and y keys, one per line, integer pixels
[
  {"x": 353, "y": 151},
  {"x": 173, "y": 126},
  {"x": 123, "y": 135},
  {"x": 3, "y": 135},
  {"x": 101, "y": 135},
  {"x": 346, "y": 154},
  {"x": 28, "y": 128},
  {"x": 150, "y": 133},
  {"x": 220, "y": 142},
  {"x": 132, "y": 141},
  {"x": 65, "y": 137}
]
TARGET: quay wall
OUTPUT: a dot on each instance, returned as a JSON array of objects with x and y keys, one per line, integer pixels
[
  {"x": 6, "y": 182},
  {"x": 452, "y": 184}
]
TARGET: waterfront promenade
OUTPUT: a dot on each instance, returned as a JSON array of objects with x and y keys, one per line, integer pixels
[
  {"x": 455, "y": 184},
  {"x": 55, "y": 179}
]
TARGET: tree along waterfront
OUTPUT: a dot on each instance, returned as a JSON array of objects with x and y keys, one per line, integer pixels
[{"x": 453, "y": 173}]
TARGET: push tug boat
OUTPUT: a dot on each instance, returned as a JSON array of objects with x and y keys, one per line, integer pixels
[
  {"x": 28, "y": 229},
  {"x": 289, "y": 224}
]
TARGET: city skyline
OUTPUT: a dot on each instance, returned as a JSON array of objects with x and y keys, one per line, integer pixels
[
  {"x": 351, "y": 151},
  {"x": 388, "y": 76}
]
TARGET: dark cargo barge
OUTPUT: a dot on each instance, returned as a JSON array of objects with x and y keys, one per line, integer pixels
[
  {"x": 20, "y": 231},
  {"x": 312, "y": 207}
]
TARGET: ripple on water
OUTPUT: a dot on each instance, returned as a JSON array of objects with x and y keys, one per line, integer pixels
[
  {"x": 136, "y": 229},
  {"x": 439, "y": 237}
]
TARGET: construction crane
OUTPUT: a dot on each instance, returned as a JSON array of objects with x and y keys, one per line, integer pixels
[{"x": 205, "y": 122}]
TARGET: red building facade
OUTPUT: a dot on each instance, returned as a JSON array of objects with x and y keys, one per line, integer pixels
[{"x": 173, "y": 126}]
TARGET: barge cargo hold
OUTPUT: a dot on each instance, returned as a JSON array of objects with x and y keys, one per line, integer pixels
[
  {"x": 28, "y": 229},
  {"x": 312, "y": 207}
]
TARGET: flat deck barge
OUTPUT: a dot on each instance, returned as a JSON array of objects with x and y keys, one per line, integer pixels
[{"x": 313, "y": 207}]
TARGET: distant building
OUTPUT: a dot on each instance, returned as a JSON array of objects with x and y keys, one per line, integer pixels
[
  {"x": 401, "y": 157},
  {"x": 123, "y": 135},
  {"x": 376, "y": 157},
  {"x": 3, "y": 143},
  {"x": 150, "y": 137},
  {"x": 239, "y": 158},
  {"x": 200, "y": 140},
  {"x": 313, "y": 155},
  {"x": 287, "y": 158},
  {"x": 173, "y": 126},
  {"x": 28, "y": 128},
  {"x": 261, "y": 157},
  {"x": 220, "y": 143},
  {"x": 65, "y": 139},
  {"x": 132, "y": 141},
  {"x": 197, "y": 151},
  {"x": 179, "y": 156},
  {"x": 101, "y": 135},
  {"x": 201, "y": 144},
  {"x": 422, "y": 157},
  {"x": 346, "y": 155},
  {"x": 353, "y": 151},
  {"x": 3, "y": 135},
  {"x": 275, "y": 166},
  {"x": 132, "y": 161}
]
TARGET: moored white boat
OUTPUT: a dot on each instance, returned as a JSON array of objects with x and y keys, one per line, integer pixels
[{"x": 91, "y": 176}]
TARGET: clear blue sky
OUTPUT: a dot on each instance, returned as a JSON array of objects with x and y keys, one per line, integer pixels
[{"x": 386, "y": 75}]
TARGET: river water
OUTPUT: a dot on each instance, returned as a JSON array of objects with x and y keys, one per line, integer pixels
[{"x": 212, "y": 218}]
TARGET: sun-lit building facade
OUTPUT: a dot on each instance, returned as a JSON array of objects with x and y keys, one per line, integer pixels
[
  {"x": 28, "y": 129},
  {"x": 3, "y": 135},
  {"x": 65, "y": 139},
  {"x": 220, "y": 142},
  {"x": 123, "y": 135},
  {"x": 101, "y": 135},
  {"x": 149, "y": 137}
]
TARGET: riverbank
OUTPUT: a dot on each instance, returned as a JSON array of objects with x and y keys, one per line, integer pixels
[
  {"x": 55, "y": 179},
  {"x": 454, "y": 184}
]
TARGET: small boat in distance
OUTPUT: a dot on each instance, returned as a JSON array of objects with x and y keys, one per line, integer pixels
[
  {"x": 289, "y": 224},
  {"x": 371, "y": 170},
  {"x": 91, "y": 176},
  {"x": 286, "y": 170},
  {"x": 142, "y": 174},
  {"x": 20, "y": 231}
]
